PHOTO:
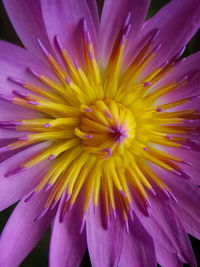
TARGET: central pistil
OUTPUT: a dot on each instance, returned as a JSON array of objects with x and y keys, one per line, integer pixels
[
  {"x": 119, "y": 133},
  {"x": 106, "y": 128}
]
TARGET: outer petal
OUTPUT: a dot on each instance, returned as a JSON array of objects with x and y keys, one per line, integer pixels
[
  {"x": 17, "y": 186},
  {"x": 65, "y": 19},
  {"x": 189, "y": 66},
  {"x": 22, "y": 233},
  {"x": 138, "y": 247},
  {"x": 169, "y": 220},
  {"x": 113, "y": 17},
  {"x": 166, "y": 228},
  {"x": 67, "y": 244},
  {"x": 178, "y": 21},
  {"x": 165, "y": 258},
  {"x": 188, "y": 196},
  {"x": 92, "y": 4},
  {"x": 26, "y": 17},
  {"x": 104, "y": 246}
]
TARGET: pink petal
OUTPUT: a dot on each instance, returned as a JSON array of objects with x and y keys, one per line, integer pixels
[
  {"x": 178, "y": 21},
  {"x": 113, "y": 17},
  {"x": 21, "y": 233},
  {"x": 65, "y": 19},
  {"x": 17, "y": 186},
  {"x": 138, "y": 247},
  {"x": 26, "y": 17},
  {"x": 104, "y": 246},
  {"x": 67, "y": 244}
]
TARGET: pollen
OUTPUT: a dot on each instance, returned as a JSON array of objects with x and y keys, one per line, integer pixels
[{"x": 103, "y": 128}]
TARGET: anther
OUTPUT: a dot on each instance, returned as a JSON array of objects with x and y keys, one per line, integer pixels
[
  {"x": 34, "y": 72},
  {"x": 146, "y": 84},
  {"x": 127, "y": 20},
  {"x": 58, "y": 43},
  {"x": 51, "y": 157},
  {"x": 6, "y": 98},
  {"x": 34, "y": 103},
  {"x": 108, "y": 151},
  {"x": 42, "y": 213},
  {"x": 4, "y": 149},
  {"x": 16, "y": 171},
  {"x": 67, "y": 80},
  {"x": 16, "y": 80},
  {"x": 108, "y": 114},
  {"x": 47, "y": 125},
  {"x": 20, "y": 93},
  {"x": 23, "y": 138},
  {"x": 44, "y": 50},
  {"x": 76, "y": 64},
  {"x": 30, "y": 197}
]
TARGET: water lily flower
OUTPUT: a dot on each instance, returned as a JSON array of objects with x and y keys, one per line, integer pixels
[{"x": 99, "y": 132}]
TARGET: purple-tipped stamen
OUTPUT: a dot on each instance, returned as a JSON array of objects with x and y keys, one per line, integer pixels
[
  {"x": 20, "y": 93},
  {"x": 16, "y": 171},
  {"x": 34, "y": 72},
  {"x": 42, "y": 47},
  {"x": 42, "y": 213},
  {"x": 34, "y": 103},
  {"x": 7, "y": 98},
  {"x": 51, "y": 157},
  {"x": 16, "y": 80},
  {"x": 58, "y": 43}
]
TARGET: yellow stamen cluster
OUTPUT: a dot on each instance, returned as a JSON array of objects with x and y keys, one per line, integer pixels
[{"x": 101, "y": 125}]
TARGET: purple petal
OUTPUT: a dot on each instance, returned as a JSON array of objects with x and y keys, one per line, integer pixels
[
  {"x": 92, "y": 4},
  {"x": 104, "y": 246},
  {"x": 138, "y": 247},
  {"x": 173, "y": 36},
  {"x": 192, "y": 160},
  {"x": 22, "y": 233},
  {"x": 65, "y": 19},
  {"x": 67, "y": 244},
  {"x": 166, "y": 228},
  {"x": 166, "y": 258},
  {"x": 191, "y": 90},
  {"x": 113, "y": 17},
  {"x": 14, "y": 188},
  {"x": 188, "y": 196},
  {"x": 26, "y": 17},
  {"x": 189, "y": 65},
  {"x": 170, "y": 221}
]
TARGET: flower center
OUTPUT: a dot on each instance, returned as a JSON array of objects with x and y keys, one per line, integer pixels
[
  {"x": 89, "y": 129},
  {"x": 107, "y": 128}
]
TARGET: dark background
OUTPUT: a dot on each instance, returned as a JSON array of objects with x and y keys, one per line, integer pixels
[{"x": 39, "y": 256}]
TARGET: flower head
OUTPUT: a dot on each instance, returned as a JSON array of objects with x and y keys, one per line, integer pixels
[{"x": 100, "y": 131}]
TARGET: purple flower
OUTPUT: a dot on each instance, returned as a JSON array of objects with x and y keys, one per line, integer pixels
[{"x": 100, "y": 132}]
